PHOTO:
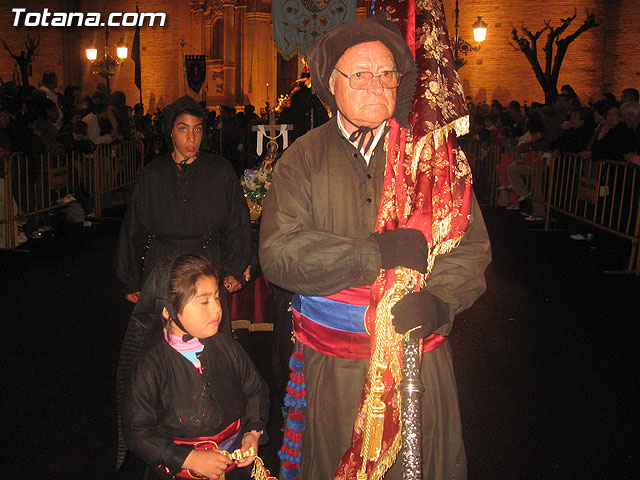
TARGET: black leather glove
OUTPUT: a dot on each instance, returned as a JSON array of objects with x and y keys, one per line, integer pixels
[
  {"x": 403, "y": 247},
  {"x": 419, "y": 308}
]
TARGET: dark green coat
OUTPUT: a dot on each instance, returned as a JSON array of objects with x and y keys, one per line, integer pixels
[{"x": 317, "y": 219}]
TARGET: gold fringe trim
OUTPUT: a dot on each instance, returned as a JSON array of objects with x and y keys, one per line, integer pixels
[
  {"x": 260, "y": 472},
  {"x": 252, "y": 327},
  {"x": 388, "y": 459},
  {"x": 372, "y": 439},
  {"x": 439, "y": 135}
]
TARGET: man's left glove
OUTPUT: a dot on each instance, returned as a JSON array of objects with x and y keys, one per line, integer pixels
[{"x": 419, "y": 309}]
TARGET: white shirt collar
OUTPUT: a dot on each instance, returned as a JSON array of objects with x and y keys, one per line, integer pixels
[{"x": 376, "y": 139}]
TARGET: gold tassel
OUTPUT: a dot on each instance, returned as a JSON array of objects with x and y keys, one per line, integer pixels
[
  {"x": 375, "y": 419},
  {"x": 374, "y": 427}
]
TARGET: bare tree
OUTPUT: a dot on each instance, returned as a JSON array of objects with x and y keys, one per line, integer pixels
[
  {"x": 25, "y": 58},
  {"x": 527, "y": 42}
]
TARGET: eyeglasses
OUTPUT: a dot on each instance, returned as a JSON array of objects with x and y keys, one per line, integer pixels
[{"x": 362, "y": 80}]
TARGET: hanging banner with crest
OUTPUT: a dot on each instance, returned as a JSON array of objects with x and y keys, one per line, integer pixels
[
  {"x": 298, "y": 23},
  {"x": 196, "y": 66}
]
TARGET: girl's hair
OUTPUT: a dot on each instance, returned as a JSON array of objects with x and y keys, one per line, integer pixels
[{"x": 185, "y": 272}]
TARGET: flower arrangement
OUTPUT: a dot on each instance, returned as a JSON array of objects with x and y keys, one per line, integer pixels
[{"x": 256, "y": 182}]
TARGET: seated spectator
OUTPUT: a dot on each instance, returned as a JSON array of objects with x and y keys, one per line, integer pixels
[
  {"x": 483, "y": 109},
  {"x": 575, "y": 137},
  {"x": 48, "y": 113},
  {"x": 5, "y": 150},
  {"x": 5, "y": 141},
  {"x": 470, "y": 105},
  {"x": 630, "y": 95},
  {"x": 535, "y": 107},
  {"x": 522, "y": 168},
  {"x": 568, "y": 90},
  {"x": 496, "y": 129},
  {"x": 630, "y": 113},
  {"x": 609, "y": 98},
  {"x": 476, "y": 127},
  {"x": 121, "y": 114},
  {"x": 599, "y": 117},
  {"x": 612, "y": 139},
  {"x": 27, "y": 138},
  {"x": 93, "y": 125},
  {"x": 73, "y": 101},
  {"x": 514, "y": 121},
  {"x": 552, "y": 130},
  {"x": 562, "y": 106},
  {"x": 49, "y": 85},
  {"x": 496, "y": 107},
  {"x": 74, "y": 139},
  {"x": 141, "y": 122}
]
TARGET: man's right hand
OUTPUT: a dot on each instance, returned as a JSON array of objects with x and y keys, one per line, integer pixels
[
  {"x": 132, "y": 297},
  {"x": 419, "y": 309},
  {"x": 403, "y": 247}
]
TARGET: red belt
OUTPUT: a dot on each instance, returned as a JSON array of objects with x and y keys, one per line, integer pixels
[{"x": 205, "y": 443}]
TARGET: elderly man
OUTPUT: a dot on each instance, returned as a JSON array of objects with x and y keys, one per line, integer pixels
[
  {"x": 630, "y": 112},
  {"x": 318, "y": 240}
]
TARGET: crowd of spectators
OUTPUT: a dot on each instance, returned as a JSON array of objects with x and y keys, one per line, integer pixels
[
  {"x": 50, "y": 120},
  {"x": 44, "y": 120},
  {"x": 607, "y": 129}
]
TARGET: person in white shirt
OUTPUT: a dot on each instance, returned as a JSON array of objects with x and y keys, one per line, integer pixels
[
  {"x": 49, "y": 85},
  {"x": 93, "y": 125}
]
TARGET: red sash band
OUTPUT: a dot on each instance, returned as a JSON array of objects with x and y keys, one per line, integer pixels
[
  {"x": 327, "y": 324},
  {"x": 221, "y": 441}
]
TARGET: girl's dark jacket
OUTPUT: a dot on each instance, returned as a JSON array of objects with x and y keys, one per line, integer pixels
[{"x": 167, "y": 397}]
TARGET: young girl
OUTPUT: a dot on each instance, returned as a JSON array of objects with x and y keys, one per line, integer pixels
[{"x": 194, "y": 392}]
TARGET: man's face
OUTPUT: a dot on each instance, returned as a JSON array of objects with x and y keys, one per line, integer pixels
[
  {"x": 631, "y": 119},
  {"x": 187, "y": 135},
  {"x": 613, "y": 117},
  {"x": 374, "y": 105},
  {"x": 5, "y": 119}
]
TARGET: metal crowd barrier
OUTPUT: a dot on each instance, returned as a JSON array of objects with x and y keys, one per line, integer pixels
[
  {"x": 605, "y": 195},
  {"x": 483, "y": 158},
  {"x": 35, "y": 184}
]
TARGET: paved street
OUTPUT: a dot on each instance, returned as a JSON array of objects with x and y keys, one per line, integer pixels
[{"x": 545, "y": 360}]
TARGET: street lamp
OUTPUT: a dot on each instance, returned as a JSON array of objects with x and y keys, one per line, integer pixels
[
  {"x": 479, "y": 30},
  {"x": 106, "y": 66},
  {"x": 123, "y": 51},
  {"x": 463, "y": 47}
]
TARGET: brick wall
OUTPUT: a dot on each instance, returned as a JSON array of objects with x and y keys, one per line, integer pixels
[
  {"x": 50, "y": 56},
  {"x": 160, "y": 53},
  {"x": 622, "y": 60},
  {"x": 601, "y": 59},
  {"x": 62, "y": 49},
  {"x": 604, "y": 58}
]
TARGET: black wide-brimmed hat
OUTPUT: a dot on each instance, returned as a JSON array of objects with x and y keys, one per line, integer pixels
[{"x": 328, "y": 49}]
